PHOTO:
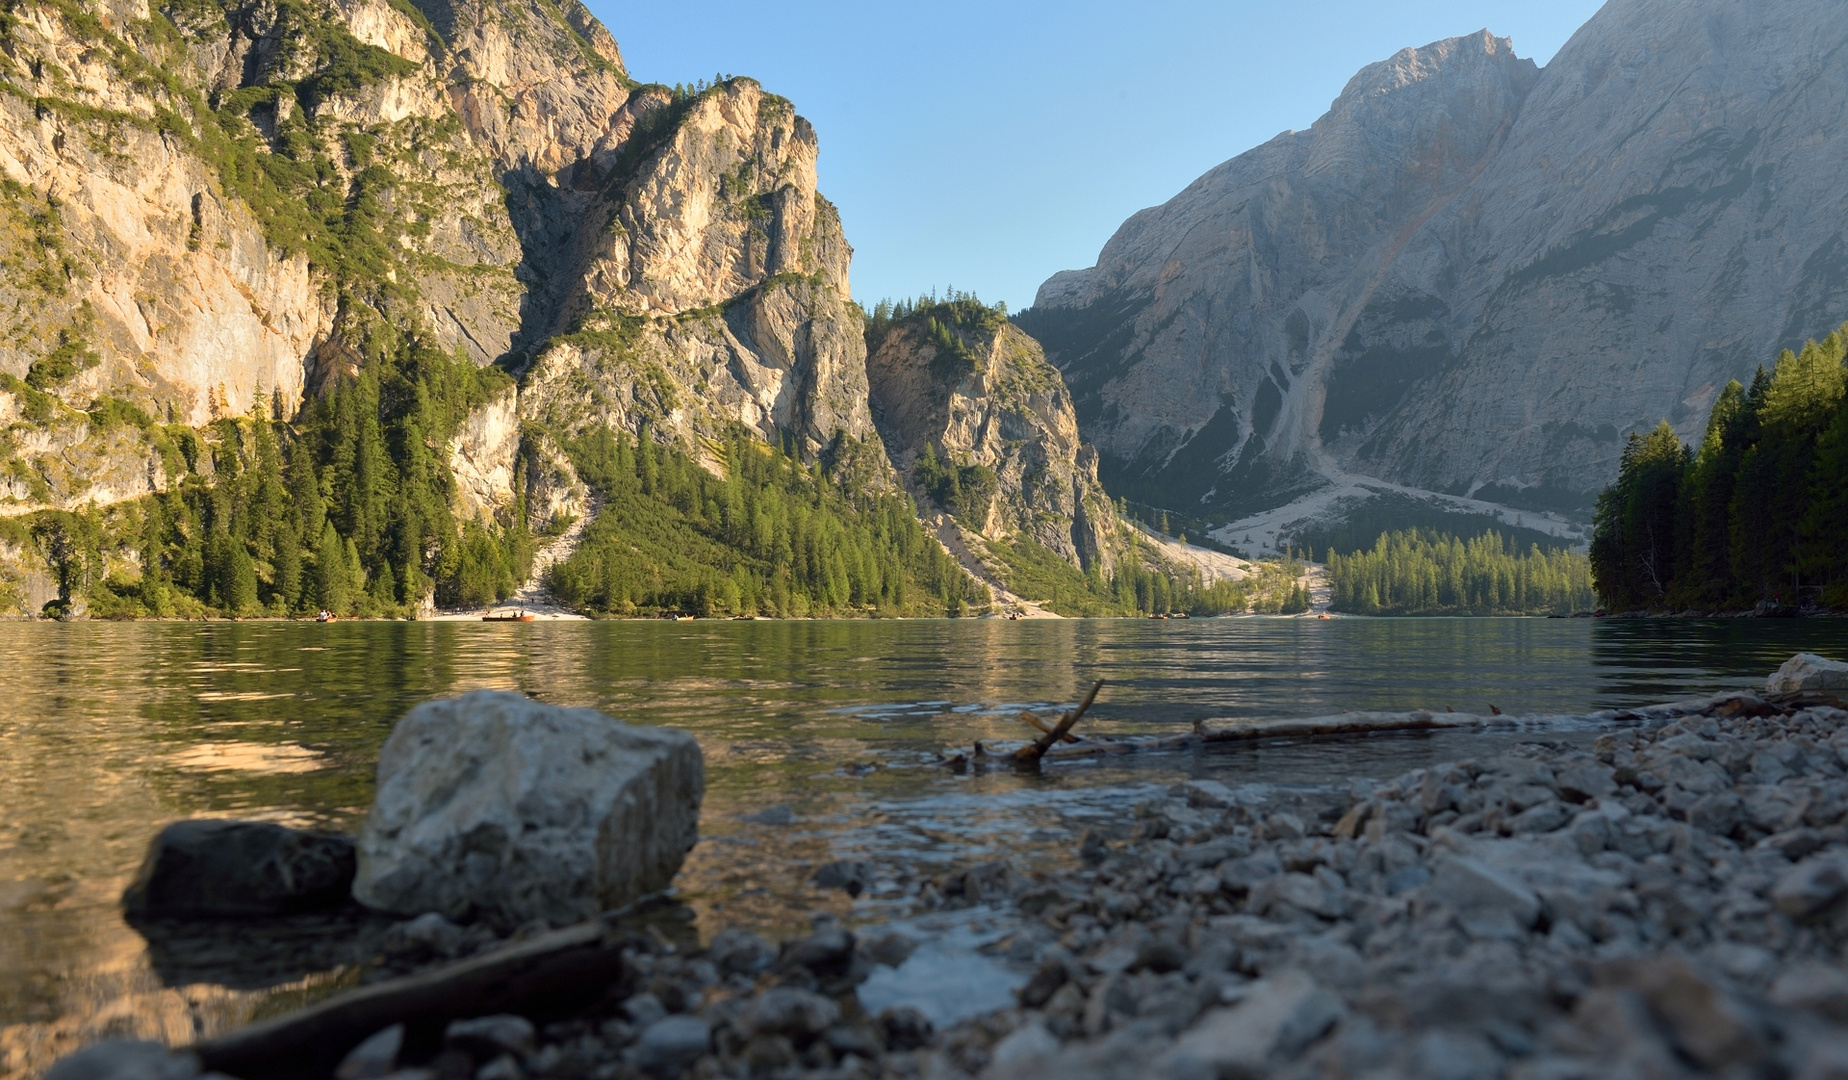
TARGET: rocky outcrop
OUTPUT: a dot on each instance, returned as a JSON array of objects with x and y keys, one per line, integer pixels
[
  {"x": 1472, "y": 276},
  {"x": 713, "y": 290},
  {"x": 484, "y": 457},
  {"x": 498, "y": 807},
  {"x": 956, "y": 388}
]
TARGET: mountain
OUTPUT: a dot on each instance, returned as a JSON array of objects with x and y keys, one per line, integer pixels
[
  {"x": 357, "y": 304},
  {"x": 1471, "y": 276}
]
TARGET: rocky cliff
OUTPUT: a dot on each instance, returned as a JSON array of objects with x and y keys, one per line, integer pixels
[
  {"x": 711, "y": 289},
  {"x": 983, "y": 428},
  {"x": 205, "y": 207},
  {"x": 1472, "y": 276}
]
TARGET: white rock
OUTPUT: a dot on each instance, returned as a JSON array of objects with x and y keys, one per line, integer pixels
[
  {"x": 1278, "y": 1018},
  {"x": 1807, "y": 671},
  {"x": 492, "y": 804},
  {"x": 1472, "y": 889}
]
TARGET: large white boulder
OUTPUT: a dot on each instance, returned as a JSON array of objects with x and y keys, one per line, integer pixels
[
  {"x": 1807, "y": 671},
  {"x": 495, "y": 806}
]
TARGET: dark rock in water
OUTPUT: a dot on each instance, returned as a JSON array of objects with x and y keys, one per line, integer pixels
[
  {"x": 891, "y": 949},
  {"x": 238, "y": 868},
  {"x": 849, "y": 875},
  {"x": 775, "y": 815}
]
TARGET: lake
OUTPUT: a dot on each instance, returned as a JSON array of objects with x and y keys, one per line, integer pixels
[{"x": 821, "y": 741}]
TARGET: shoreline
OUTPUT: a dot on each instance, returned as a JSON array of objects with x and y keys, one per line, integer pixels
[{"x": 1677, "y": 892}]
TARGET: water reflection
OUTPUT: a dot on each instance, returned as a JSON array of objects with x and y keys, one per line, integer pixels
[{"x": 109, "y": 731}]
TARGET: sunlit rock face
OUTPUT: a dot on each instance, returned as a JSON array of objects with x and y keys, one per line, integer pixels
[
  {"x": 649, "y": 259},
  {"x": 1472, "y": 274},
  {"x": 1003, "y": 408}
]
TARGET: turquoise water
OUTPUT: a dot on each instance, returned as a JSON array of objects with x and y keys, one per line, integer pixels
[{"x": 108, "y": 731}]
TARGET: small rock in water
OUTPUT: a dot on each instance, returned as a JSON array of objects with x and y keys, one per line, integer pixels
[
  {"x": 891, "y": 949},
  {"x": 498, "y": 806},
  {"x": 849, "y": 875},
  {"x": 775, "y": 815},
  {"x": 1816, "y": 986},
  {"x": 235, "y": 868}
]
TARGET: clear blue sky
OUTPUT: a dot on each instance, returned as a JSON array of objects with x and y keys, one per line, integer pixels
[{"x": 989, "y": 145}]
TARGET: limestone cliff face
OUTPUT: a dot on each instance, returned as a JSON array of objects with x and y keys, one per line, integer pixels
[
  {"x": 713, "y": 290},
  {"x": 1472, "y": 276},
  {"x": 207, "y": 206},
  {"x": 982, "y": 395}
]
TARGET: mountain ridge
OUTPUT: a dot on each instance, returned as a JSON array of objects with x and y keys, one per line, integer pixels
[{"x": 1640, "y": 221}]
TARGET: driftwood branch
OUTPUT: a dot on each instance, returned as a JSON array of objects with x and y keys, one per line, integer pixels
[
  {"x": 554, "y": 974},
  {"x": 1045, "y": 728},
  {"x": 1032, "y": 752}
]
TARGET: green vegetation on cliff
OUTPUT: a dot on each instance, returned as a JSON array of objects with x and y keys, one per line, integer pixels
[
  {"x": 944, "y": 324},
  {"x": 1759, "y": 512},
  {"x": 347, "y": 510},
  {"x": 773, "y": 537},
  {"x": 1421, "y": 573}
]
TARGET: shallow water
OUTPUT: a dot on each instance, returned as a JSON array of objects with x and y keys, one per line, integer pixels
[{"x": 108, "y": 731}]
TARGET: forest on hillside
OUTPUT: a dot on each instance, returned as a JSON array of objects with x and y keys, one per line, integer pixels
[
  {"x": 347, "y": 508},
  {"x": 771, "y": 536},
  {"x": 1757, "y": 513}
]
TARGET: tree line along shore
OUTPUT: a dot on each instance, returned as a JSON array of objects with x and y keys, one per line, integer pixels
[{"x": 1755, "y": 516}]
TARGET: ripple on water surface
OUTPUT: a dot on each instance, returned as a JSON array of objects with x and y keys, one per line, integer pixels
[{"x": 820, "y": 740}]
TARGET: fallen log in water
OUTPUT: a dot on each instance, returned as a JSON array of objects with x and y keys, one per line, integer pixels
[
  {"x": 1242, "y": 730},
  {"x": 555, "y": 973}
]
